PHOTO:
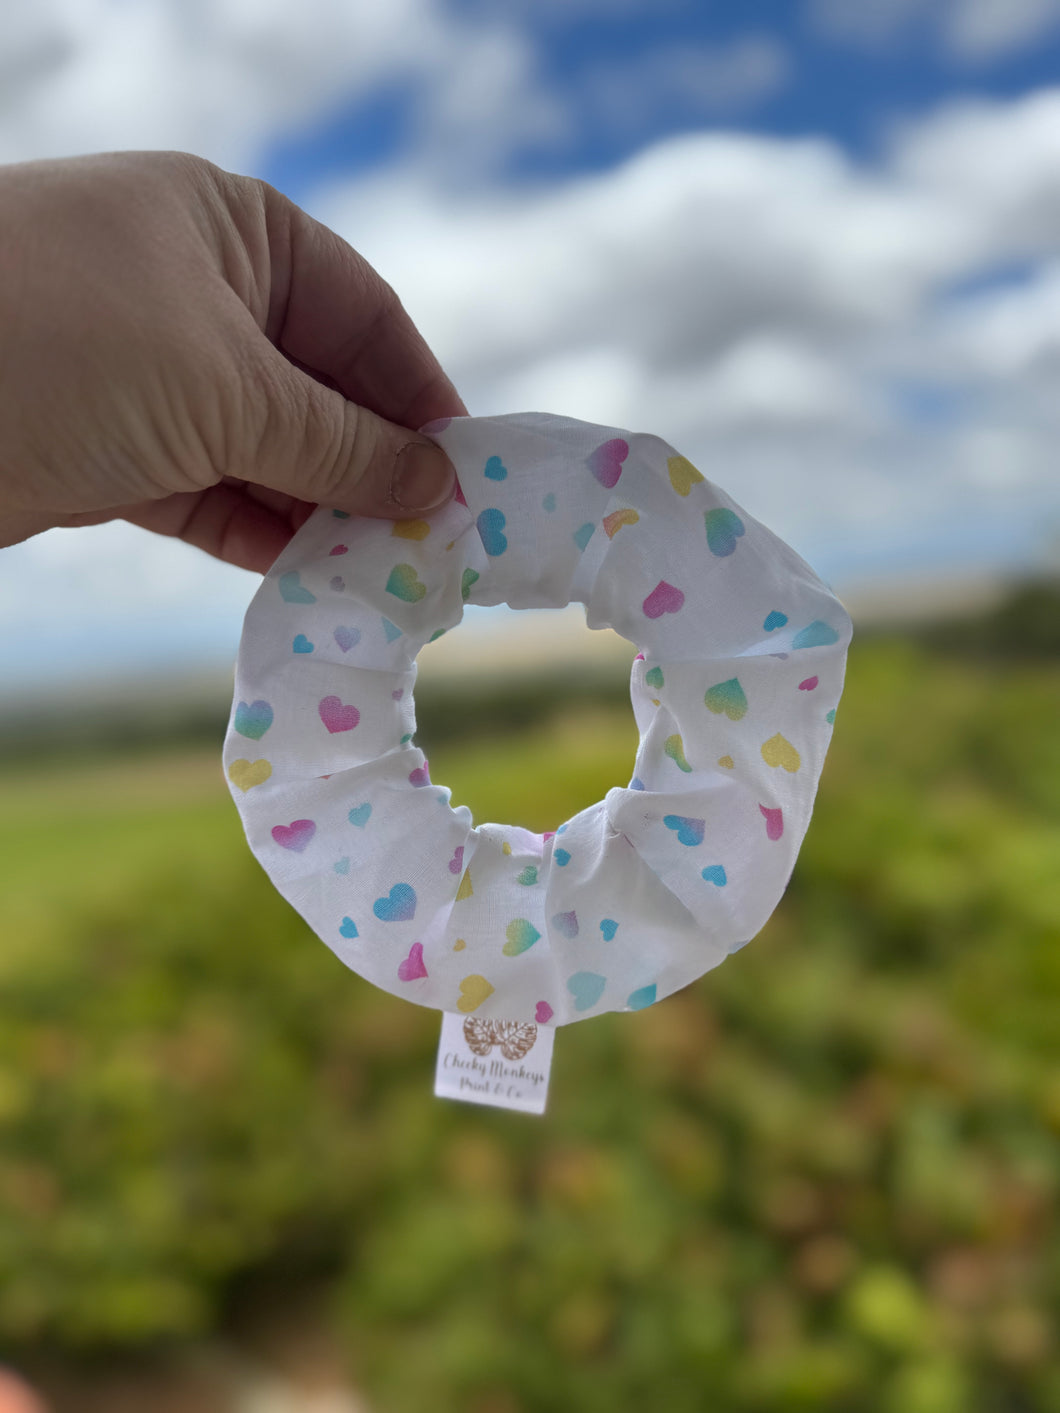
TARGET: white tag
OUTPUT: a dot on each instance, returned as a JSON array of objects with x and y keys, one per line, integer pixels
[{"x": 505, "y": 1063}]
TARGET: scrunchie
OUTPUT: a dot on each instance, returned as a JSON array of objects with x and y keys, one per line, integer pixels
[{"x": 741, "y": 652}]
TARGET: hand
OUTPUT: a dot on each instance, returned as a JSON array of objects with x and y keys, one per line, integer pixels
[{"x": 186, "y": 349}]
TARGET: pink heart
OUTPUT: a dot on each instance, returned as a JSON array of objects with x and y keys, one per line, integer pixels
[
  {"x": 456, "y": 863},
  {"x": 774, "y": 822},
  {"x": 542, "y": 1013},
  {"x": 420, "y": 775},
  {"x": 338, "y": 583},
  {"x": 294, "y": 836},
  {"x": 459, "y": 497},
  {"x": 398, "y": 694},
  {"x": 412, "y": 968},
  {"x": 606, "y": 461},
  {"x": 808, "y": 685},
  {"x": 347, "y": 638},
  {"x": 339, "y": 549},
  {"x": 336, "y": 716},
  {"x": 664, "y": 598}
]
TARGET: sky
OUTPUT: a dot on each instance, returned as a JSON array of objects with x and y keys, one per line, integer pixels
[{"x": 814, "y": 244}]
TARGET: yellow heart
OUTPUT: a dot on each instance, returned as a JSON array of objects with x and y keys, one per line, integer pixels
[
  {"x": 465, "y": 890},
  {"x": 473, "y": 991},
  {"x": 614, "y": 522},
  {"x": 778, "y": 751},
  {"x": 245, "y": 774},
  {"x": 410, "y": 530},
  {"x": 506, "y": 848},
  {"x": 459, "y": 945},
  {"x": 726, "y": 761},
  {"x": 683, "y": 475}
]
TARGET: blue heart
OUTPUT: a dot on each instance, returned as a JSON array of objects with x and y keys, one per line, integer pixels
[
  {"x": 302, "y": 644},
  {"x": 688, "y": 831},
  {"x": 815, "y": 635},
  {"x": 776, "y": 619},
  {"x": 724, "y": 528},
  {"x": 636, "y": 783},
  {"x": 584, "y": 534},
  {"x": 491, "y": 525},
  {"x": 496, "y": 469},
  {"x": 645, "y": 996},
  {"x": 342, "y": 865},
  {"x": 348, "y": 927},
  {"x": 253, "y": 720},
  {"x": 562, "y": 857},
  {"x": 292, "y": 589},
  {"x": 608, "y": 927},
  {"x": 361, "y": 815},
  {"x": 391, "y": 630},
  {"x": 715, "y": 874},
  {"x": 549, "y": 503},
  {"x": 398, "y": 906},
  {"x": 586, "y": 987}
]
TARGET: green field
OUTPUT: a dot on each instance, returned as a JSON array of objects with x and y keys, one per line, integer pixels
[{"x": 824, "y": 1177}]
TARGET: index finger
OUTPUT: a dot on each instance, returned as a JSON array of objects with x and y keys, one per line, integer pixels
[{"x": 333, "y": 314}]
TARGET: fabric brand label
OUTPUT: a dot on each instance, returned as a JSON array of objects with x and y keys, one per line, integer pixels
[{"x": 504, "y": 1063}]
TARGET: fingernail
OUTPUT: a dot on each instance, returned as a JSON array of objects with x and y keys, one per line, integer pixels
[{"x": 423, "y": 477}]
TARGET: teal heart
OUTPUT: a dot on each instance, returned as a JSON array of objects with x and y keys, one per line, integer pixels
[
  {"x": 292, "y": 590},
  {"x": 586, "y": 987},
  {"x": 342, "y": 865},
  {"x": 715, "y": 874},
  {"x": 348, "y": 927},
  {"x": 495, "y": 469},
  {"x": 361, "y": 815},
  {"x": 491, "y": 525},
  {"x": 641, "y": 998},
  {"x": 521, "y": 934},
  {"x": 584, "y": 534},
  {"x": 830, "y": 717},
  {"x": 609, "y": 927},
  {"x": 815, "y": 635},
  {"x": 528, "y": 876},
  {"x": 549, "y": 503},
  {"x": 391, "y": 630},
  {"x": 689, "y": 831},
  {"x": 341, "y": 514},
  {"x": 727, "y": 698},
  {"x": 253, "y": 719},
  {"x": 398, "y": 906},
  {"x": 654, "y": 678},
  {"x": 776, "y": 619},
  {"x": 724, "y": 528},
  {"x": 302, "y": 644}
]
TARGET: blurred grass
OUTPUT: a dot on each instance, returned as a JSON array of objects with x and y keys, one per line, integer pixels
[{"x": 825, "y": 1177}]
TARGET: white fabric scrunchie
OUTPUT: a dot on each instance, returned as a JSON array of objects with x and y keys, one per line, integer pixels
[{"x": 741, "y": 653}]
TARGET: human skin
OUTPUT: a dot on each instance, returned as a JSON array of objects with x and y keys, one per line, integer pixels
[
  {"x": 17, "y": 1397},
  {"x": 188, "y": 350}
]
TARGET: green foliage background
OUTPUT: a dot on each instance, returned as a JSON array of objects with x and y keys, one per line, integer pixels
[{"x": 824, "y": 1177}]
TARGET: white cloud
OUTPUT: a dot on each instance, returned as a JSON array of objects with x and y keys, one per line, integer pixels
[
  {"x": 756, "y": 301},
  {"x": 701, "y": 80},
  {"x": 974, "y": 31}
]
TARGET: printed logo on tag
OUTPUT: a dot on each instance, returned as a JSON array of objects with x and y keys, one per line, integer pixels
[{"x": 504, "y": 1063}]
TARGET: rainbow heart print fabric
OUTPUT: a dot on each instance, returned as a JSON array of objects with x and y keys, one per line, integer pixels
[{"x": 740, "y": 655}]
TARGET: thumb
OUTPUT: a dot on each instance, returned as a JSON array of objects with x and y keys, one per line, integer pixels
[{"x": 317, "y": 446}]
